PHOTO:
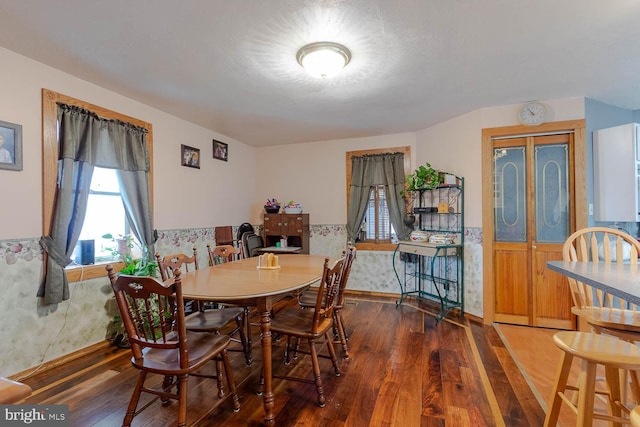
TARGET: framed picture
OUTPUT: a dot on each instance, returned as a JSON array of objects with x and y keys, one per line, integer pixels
[
  {"x": 190, "y": 156},
  {"x": 10, "y": 146},
  {"x": 220, "y": 150}
]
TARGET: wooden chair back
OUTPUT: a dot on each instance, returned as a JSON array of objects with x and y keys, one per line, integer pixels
[
  {"x": 169, "y": 263},
  {"x": 222, "y": 253},
  {"x": 152, "y": 313},
  {"x": 327, "y": 294},
  {"x": 599, "y": 244},
  {"x": 349, "y": 256}
]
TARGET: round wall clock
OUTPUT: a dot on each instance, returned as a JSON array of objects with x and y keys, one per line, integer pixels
[{"x": 533, "y": 113}]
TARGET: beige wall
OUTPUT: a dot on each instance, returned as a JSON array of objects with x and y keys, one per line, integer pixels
[
  {"x": 225, "y": 193},
  {"x": 224, "y": 190},
  {"x": 455, "y": 145},
  {"x": 314, "y": 174}
]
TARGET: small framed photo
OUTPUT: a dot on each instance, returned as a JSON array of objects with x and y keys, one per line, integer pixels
[
  {"x": 10, "y": 146},
  {"x": 220, "y": 150},
  {"x": 190, "y": 156}
]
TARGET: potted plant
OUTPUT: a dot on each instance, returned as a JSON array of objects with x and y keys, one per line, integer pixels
[
  {"x": 425, "y": 177},
  {"x": 142, "y": 266},
  {"x": 123, "y": 251}
]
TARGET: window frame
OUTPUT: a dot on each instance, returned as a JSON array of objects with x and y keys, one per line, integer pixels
[
  {"x": 406, "y": 150},
  {"x": 50, "y": 168}
]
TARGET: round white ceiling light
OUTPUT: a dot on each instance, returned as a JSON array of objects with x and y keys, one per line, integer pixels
[{"x": 323, "y": 59}]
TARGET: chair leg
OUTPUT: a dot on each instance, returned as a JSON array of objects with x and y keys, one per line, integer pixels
[
  {"x": 243, "y": 327},
  {"x": 247, "y": 321},
  {"x": 167, "y": 384},
  {"x": 337, "y": 322},
  {"x": 614, "y": 390},
  {"x": 332, "y": 354},
  {"x": 219, "y": 378},
  {"x": 135, "y": 397},
  {"x": 586, "y": 393},
  {"x": 562, "y": 375},
  {"x": 230, "y": 381},
  {"x": 287, "y": 351},
  {"x": 182, "y": 400},
  {"x": 316, "y": 373}
]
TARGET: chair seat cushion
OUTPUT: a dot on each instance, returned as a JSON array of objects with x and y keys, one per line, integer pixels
[
  {"x": 610, "y": 318},
  {"x": 212, "y": 320},
  {"x": 202, "y": 347},
  {"x": 297, "y": 322}
]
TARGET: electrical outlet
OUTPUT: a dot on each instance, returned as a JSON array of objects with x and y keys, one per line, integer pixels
[{"x": 590, "y": 208}]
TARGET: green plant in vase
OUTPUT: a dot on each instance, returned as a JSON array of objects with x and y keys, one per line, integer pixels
[
  {"x": 123, "y": 251},
  {"x": 425, "y": 177}
]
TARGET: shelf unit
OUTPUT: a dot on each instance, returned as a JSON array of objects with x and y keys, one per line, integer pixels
[
  {"x": 434, "y": 271},
  {"x": 293, "y": 227}
]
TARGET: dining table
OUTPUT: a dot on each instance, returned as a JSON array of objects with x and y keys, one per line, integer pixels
[
  {"x": 618, "y": 279},
  {"x": 245, "y": 283}
]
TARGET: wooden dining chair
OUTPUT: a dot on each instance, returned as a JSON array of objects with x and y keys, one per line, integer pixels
[
  {"x": 312, "y": 326},
  {"x": 307, "y": 299},
  {"x": 604, "y": 312},
  {"x": 601, "y": 310},
  {"x": 607, "y": 246},
  {"x": 221, "y": 254},
  {"x": 593, "y": 350},
  {"x": 184, "y": 262},
  {"x": 204, "y": 318},
  {"x": 154, "y": 319}
]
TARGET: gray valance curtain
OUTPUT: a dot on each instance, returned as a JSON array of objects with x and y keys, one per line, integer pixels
[
  {"x": 372, "y": 170},
  {"x": 85, "y": 141}
]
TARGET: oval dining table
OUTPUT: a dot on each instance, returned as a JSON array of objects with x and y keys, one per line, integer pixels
[{"x": 243, "y": 283}]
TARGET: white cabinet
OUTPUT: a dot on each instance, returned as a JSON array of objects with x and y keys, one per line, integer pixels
[{"x": 616, "y": 159}]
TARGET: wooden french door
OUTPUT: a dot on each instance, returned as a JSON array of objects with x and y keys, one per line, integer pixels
[{"x": 533, "y": 214}]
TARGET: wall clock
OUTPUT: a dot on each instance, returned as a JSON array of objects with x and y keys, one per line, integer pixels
[{"x": 533, "y": 113}]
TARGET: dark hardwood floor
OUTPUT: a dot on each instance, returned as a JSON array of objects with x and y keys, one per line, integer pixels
[{"x": 405, "y": 370}]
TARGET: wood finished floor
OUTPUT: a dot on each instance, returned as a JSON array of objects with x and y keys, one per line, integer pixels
[{"x": 405, "y": 370}]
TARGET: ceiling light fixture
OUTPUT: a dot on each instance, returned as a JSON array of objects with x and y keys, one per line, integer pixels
[{"x": 323, "y": 59}]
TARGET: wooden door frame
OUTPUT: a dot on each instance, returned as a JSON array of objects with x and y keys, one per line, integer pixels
[{"x": 578, "y": 127}]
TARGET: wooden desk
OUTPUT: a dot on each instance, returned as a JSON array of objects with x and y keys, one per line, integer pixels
[
  {"x": 242, "y": 283},
  {"x": 620, "y": 280}
]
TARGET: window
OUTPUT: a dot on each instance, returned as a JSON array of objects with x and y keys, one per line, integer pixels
[
  {"x": 105, "y": 214},
  {"x": 103, "y": 189},
  {"x": 376, "y": 227},
  {"x": 376, "y": 231}
]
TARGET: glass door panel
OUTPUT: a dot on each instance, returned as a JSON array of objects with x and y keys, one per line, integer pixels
[
  {"x": 510, "y": 197},
  {"x": 552, "y": 219}
]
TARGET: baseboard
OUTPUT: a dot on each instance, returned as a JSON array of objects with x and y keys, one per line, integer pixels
[
  {"x": 97, "y": 347},
  {"x": 368, "y": 294}
]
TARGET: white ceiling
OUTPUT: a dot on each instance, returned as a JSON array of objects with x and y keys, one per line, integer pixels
[{"x": 230, "y": 66}]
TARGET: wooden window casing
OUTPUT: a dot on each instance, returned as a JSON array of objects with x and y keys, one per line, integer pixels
[
  {"x": 50, "y": 167},
  {"x": 372, "y": 245}
]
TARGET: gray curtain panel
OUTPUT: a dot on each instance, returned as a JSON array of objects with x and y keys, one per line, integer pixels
[
  {"x": 86, "y": 141},
  {"x": 372, "y": 170}
]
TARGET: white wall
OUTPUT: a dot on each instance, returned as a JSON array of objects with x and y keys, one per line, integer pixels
[
  {"x": 223, "y": 190},
  {"x": 314, "y": 174},
  {"x": 456, "y": 145}
]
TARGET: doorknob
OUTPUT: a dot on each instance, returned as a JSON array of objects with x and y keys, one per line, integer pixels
[{"x": 533, "y": 247}]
